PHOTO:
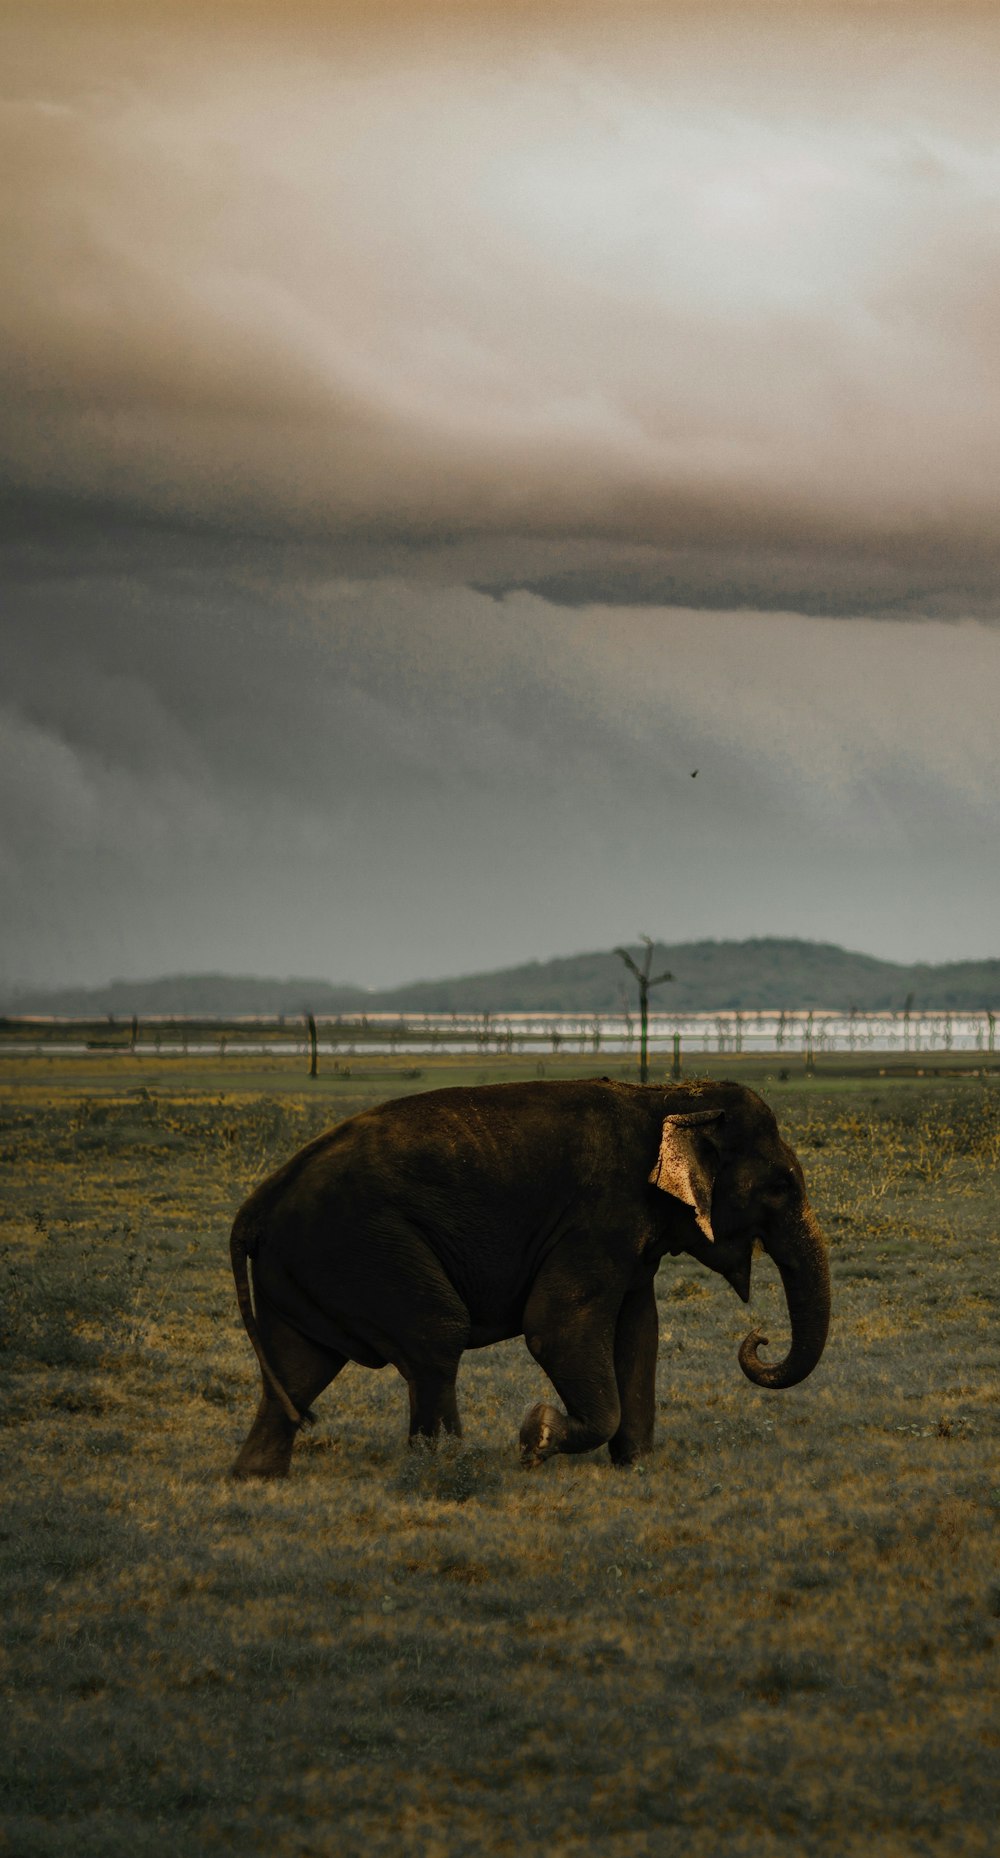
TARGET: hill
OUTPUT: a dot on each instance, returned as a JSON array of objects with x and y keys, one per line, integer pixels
[
  {"x": 767, "y": 971},
  {"x": 189, "y": 996}
]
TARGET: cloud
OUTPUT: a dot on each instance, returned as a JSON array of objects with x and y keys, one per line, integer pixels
[
  {"x": 721, "y": 299},
  {"x": 377, "y": 780}
]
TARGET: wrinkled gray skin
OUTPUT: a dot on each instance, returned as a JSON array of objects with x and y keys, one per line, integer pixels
[{"x": 454, "y": 1218}]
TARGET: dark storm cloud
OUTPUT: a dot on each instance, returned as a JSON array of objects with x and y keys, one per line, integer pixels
[
  {"x": 375, "y": 779},
  {"x": 713, "y": 291},
  {"x": 851, "y": 584}
]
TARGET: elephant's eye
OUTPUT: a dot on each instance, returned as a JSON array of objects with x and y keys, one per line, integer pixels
[{"x": 783, "y": 1181}]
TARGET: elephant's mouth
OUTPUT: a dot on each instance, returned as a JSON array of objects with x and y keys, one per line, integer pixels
[{"x": 738, "y": 1275}]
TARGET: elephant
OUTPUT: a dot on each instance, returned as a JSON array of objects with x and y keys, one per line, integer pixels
[{"x": 454, "y": 1218}]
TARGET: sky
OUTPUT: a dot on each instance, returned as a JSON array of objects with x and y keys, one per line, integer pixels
[{"x": 428, "y": 441}]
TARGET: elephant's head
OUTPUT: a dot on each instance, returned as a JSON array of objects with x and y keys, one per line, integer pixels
[{"x": 743, "y": 1184}]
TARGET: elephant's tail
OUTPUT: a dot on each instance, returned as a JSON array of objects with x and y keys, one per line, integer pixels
[{"x": 243, "y": 1245}]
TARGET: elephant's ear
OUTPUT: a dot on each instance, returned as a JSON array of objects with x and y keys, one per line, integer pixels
[{"x": 685, "y": 1165}]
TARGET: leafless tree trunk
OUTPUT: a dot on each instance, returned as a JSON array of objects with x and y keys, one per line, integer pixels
[
  {"x": 313, "y": 1053},
  {"x": 646, "y": 981}
]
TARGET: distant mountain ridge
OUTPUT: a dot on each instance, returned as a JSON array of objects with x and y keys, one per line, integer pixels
[
  {"x": 191, "y": 996},
  {"x": 767, "y": 971}
]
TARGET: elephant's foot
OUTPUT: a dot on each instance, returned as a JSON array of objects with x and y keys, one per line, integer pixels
[
  {"x": 423, "y": 1442},
  {"x": 543, "y": 1430},
  {"x": 257, "y": 1464},
  {"x": 625, "y": 1449},
  {"x": 268, "y": 1448},
  {"x": 623, "y": 1457}
]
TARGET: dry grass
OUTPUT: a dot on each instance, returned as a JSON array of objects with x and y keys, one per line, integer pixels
[{"x": 780, "y": 1637}]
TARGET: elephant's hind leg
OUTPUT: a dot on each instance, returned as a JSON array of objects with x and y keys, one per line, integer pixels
[
  {"x": 433, "y": 1405},
  {"x": 304, "y": 1369},
  {"x": 412, "y": 1313}
]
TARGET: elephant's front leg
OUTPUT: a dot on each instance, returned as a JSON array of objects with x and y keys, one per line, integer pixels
[
  {"x": 637, "y": 1337},
  {"x": 577, "y": 1353}
]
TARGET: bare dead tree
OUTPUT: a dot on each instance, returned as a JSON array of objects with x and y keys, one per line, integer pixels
[{"x": 646, "y": 981}]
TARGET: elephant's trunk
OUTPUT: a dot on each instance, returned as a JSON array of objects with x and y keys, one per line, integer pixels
[{"x": 800, "y": 1255}]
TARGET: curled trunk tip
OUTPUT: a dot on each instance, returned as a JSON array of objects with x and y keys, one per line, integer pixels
[
  {"x": 749, "y": 1359},
  {"x": 768, "y": 1373},
  {"x": 785, "y": 1373}
]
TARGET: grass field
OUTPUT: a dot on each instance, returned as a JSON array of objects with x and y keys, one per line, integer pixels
[{"x": 779, "y": 1637}]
